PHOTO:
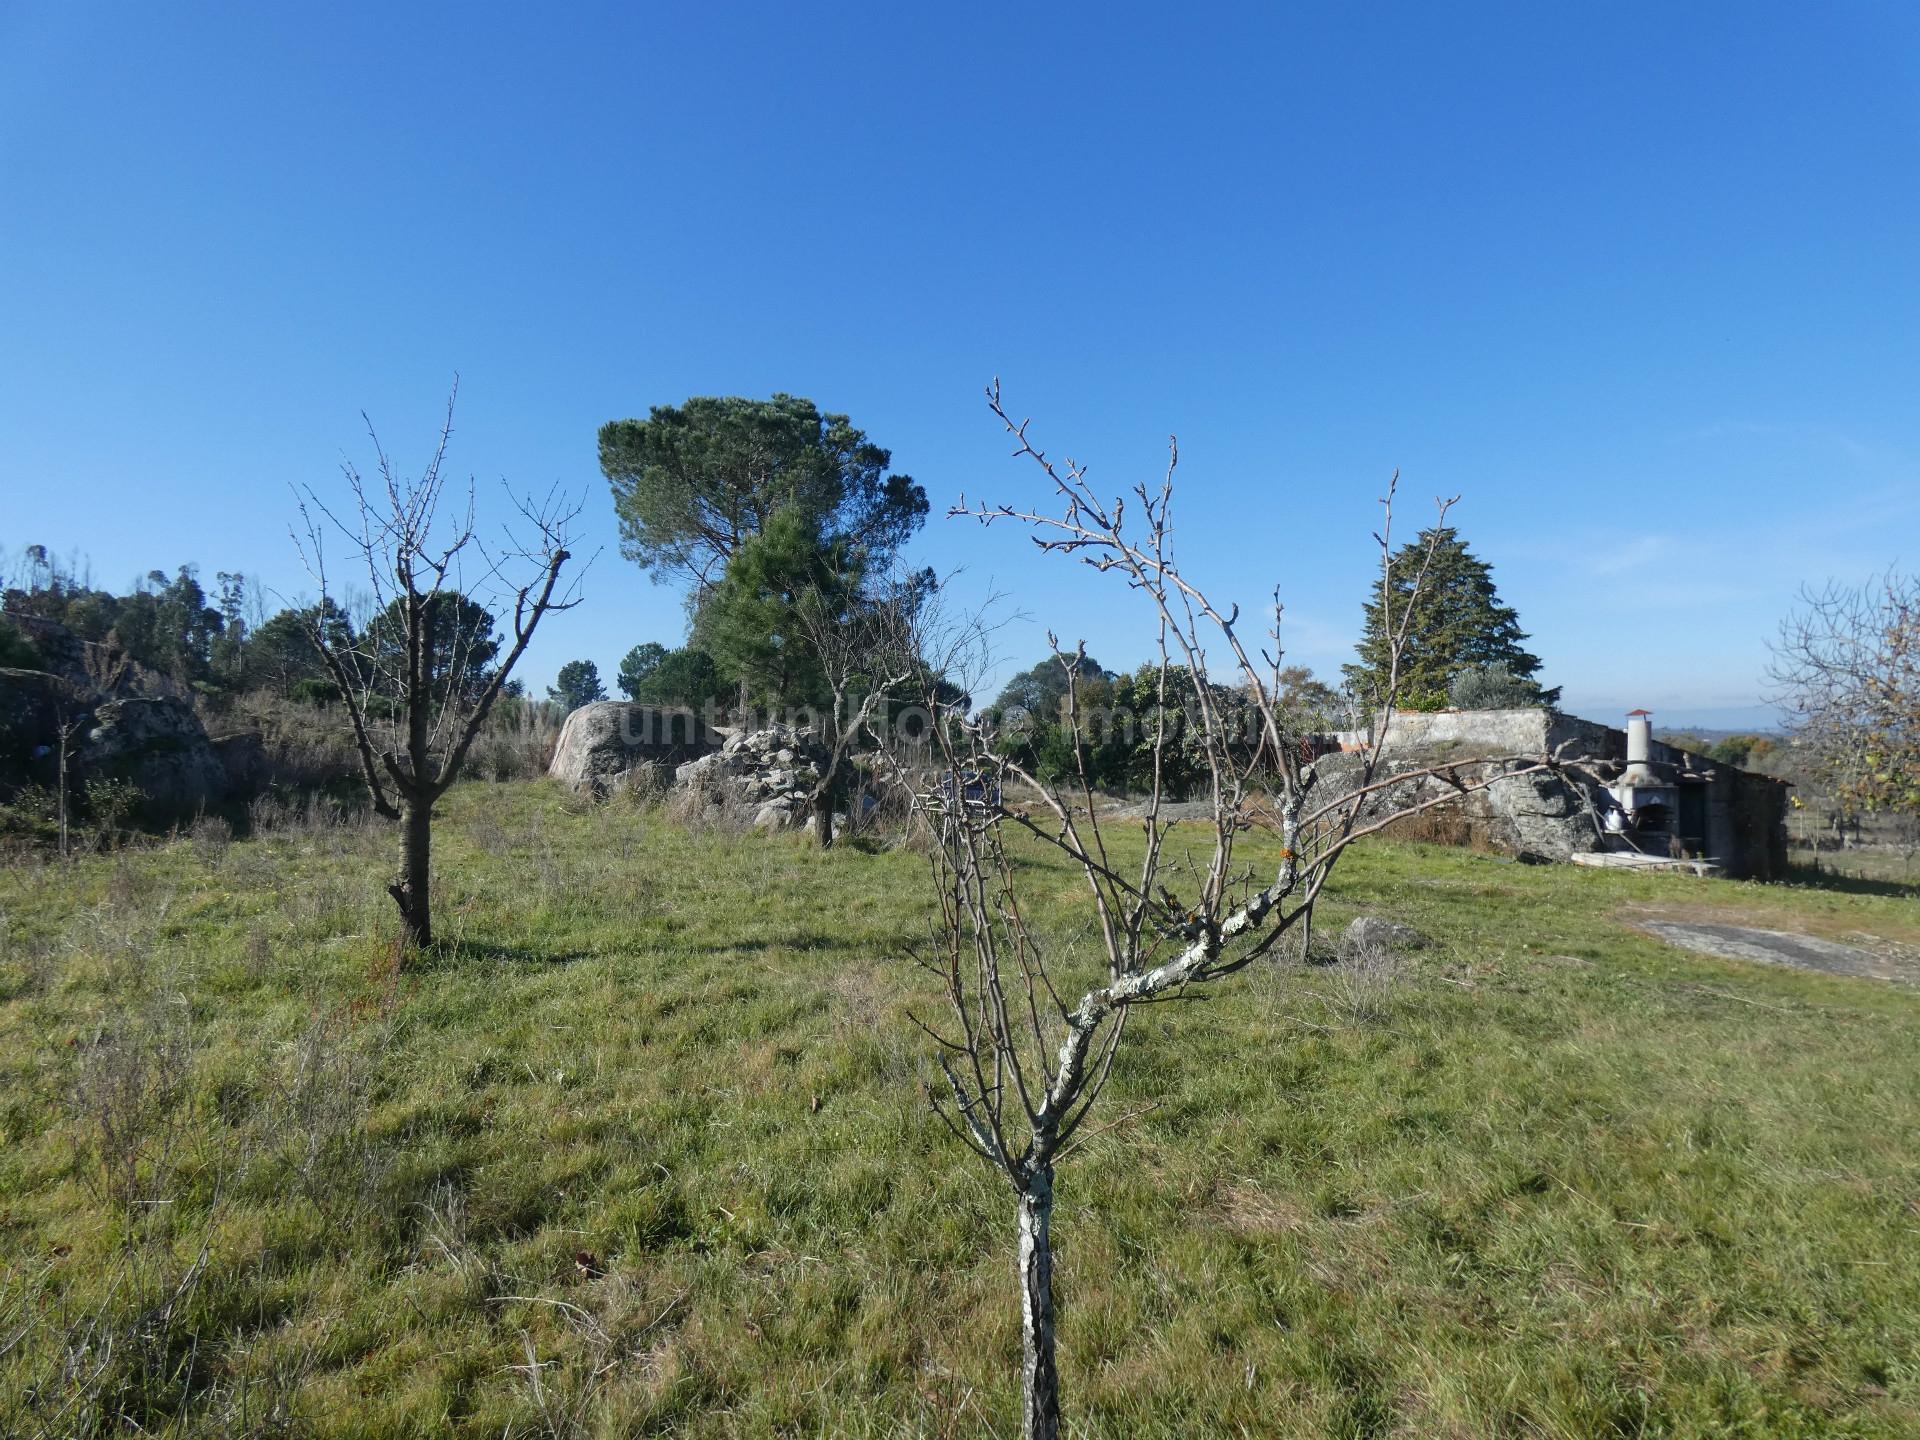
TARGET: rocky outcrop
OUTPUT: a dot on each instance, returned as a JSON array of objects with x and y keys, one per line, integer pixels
[
  {"x": 768, "y": 773},
  {"x": 1536, "y": 816},
  {"x": 158, "y": 745},
  {"x": 33, "y": 707},
  {"x": 154, "y": 743},
  {"x": 612, "y": 745},
  {"x": 99, "y": 668}
]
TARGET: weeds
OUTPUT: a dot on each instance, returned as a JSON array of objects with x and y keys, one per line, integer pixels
[
  {"x": 317, "y": 1111},
  {"x": 130, "y": 1096},
  {"x": 1361, "y": 986}
]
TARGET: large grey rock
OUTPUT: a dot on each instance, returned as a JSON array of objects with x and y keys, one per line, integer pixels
[
  {"x": 1537, "y": 816},
  {"x": 698, "y": 772},
  {"x": 779, "y": 815},
  {"x": 155, "y": 743},
  {"x": 158, "y": 745},
  {"x": 609, "y": 739}
]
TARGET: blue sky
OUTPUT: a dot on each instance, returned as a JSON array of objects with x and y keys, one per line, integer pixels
[{"x": 1637, "y": 282}]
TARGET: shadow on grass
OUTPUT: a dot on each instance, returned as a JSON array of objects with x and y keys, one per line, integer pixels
[
  {"x": 805, "y": 941},
  {"x": 446, "y": 954},
  {"x": 1818, "y": 877}
]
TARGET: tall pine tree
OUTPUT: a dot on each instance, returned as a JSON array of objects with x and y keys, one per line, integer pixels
[{"x": 1458, "y": 624}]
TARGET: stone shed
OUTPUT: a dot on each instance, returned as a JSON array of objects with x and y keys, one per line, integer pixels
[{"x": 1641, "y": 801}]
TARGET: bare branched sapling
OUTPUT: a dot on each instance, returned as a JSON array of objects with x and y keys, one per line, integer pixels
[
  {"x": 419, "y": 680},
  {"x": 1025, "y": 1051},
  {"x": 869, "y": 650}
]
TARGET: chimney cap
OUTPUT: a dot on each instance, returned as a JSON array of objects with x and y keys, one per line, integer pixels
[{"x": 1639, "y": 712}]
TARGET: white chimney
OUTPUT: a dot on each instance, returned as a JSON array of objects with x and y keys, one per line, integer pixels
[
  {"x": 1639, "y": 750},
  {"x": 1645, "y": 800}
]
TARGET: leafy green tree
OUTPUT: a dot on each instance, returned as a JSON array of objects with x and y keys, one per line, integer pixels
[
  {"x": 686, "y": 676},
  {"x": 1457, "y": 623},
  {"x": 1491, "y": 687},
  {"x": 1041, "y": 691},
  {"x": 185, "y": 627},
  {"x": 692, "y": 483},
  {"x": 1746, "y": 751},
  {"x": 227, "y": 654},
  {"x": 577, "y": 684},
  {"x": 1307, "y": 701},
  {"x": 637, "y": 664},
  {"x": 282, "y": 653}
]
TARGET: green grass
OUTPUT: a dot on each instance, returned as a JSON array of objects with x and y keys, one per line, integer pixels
[{"x": 1559, "y": 1180}]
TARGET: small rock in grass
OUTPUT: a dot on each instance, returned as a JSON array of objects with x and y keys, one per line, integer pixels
[{"x": 1374, "y": 932}]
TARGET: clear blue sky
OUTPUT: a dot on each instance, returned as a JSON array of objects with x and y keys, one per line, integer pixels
[{"x": 1640, "y": 282}]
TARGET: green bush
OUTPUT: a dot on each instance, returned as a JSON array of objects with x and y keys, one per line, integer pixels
[
  {"x": 16, "y": 651},
  {"x": 315, "y": 692}
]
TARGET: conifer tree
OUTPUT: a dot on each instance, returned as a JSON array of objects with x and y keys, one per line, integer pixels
[{"x": 1457, "y": 624}]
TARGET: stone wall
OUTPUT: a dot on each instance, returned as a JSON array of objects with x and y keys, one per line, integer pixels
[{"x": 770, "y": 774}]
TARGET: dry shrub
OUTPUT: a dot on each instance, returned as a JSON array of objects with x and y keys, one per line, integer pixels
[
  {"x": 210, "y": 836},
  {"x": 283, "y": 812},
  {"x": 303, "y": 747},
  {"x": 647, "y": 786},
  {"x": 1361, "y": 987},
  {"x": 122, "y": 1363},
  {"x": 488, "y": 834},
  {"x": 1440, "y": 826},
  {"x": 319, "y": 1098},
  {"x": 130, "y": 1095},
  {"x": 517, "y": 744},
  {"x": 706, "y": 807}
]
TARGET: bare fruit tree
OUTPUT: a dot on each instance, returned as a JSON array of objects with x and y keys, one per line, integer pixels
[
  {"x": 1035, "y": 1025},
  {"x": 419, "y": 677},
  {"x": 1846, "y": 664},
  {"x": 869, "y": 652}
]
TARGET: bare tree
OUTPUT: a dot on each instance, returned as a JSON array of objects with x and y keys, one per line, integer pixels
[
  {"x": 403, "y": 677},
  {"x": 1023, "y": 1061},
  {"x": 1846, "y": 665},
  {"x": 869, "y": 651},
  {"x": 67, "y": 726}
]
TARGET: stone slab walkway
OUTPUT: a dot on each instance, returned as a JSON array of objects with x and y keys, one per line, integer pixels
[{"x": 1781, "y": 947}]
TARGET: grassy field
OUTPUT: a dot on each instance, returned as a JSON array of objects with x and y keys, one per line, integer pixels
[{"x": 642, "y": 1151}]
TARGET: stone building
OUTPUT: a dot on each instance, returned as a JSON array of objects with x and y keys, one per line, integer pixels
[{"x": 1632, "y": 801}]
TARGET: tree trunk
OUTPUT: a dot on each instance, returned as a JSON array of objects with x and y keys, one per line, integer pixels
[
  {"x": 66, "y": 736},
  {"x": 824, "y": 795},
  {"x": 413, "y": 893},
  {"x": 1039, "y": 1380}
]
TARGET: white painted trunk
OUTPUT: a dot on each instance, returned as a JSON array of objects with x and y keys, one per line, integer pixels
[{"x": 1040, "y": 1380}]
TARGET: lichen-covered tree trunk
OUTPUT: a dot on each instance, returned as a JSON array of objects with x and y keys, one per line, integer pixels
[
  {"x": 825, "y": 794},
  {"x": 413, "y": 891},
  {"x": 1039, "y": 1377}
]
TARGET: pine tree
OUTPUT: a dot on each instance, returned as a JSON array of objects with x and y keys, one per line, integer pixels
[
  {"x": 1458, "y": 624},
  {"x": 577, "y": 684}
]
